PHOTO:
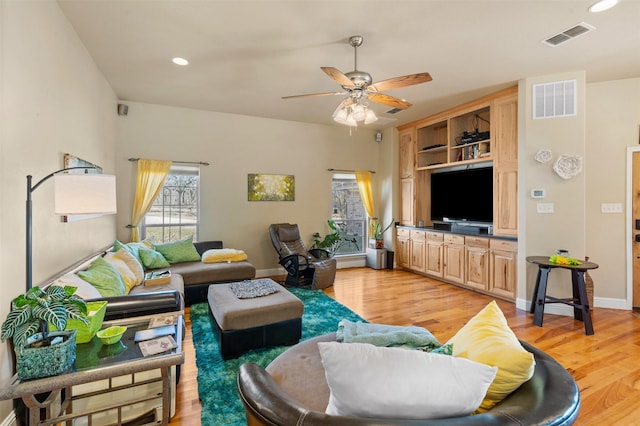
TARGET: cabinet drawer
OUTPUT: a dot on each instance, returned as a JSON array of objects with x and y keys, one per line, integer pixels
[
  {"x": 434, "y": 236},
  {"x": 418, "y": 235},
  {"x": 477, "y": 242},
  {"x": 504, "y": 245},
  {"x": 403, "y": 233},
  {"x": 453, "y": 239}
]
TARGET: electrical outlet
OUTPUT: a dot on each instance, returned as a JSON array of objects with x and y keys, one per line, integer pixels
[
  {"x": 544, "y": 207},
  {"x": 611, "y": 208}
]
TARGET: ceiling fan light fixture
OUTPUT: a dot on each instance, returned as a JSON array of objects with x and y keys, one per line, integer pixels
[{"x": 370, "y": 117}]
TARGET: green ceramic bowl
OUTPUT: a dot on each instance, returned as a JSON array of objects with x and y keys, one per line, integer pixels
[{"x": 111, "y": 335}]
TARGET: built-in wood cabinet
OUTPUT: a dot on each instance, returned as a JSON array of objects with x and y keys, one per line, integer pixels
[
  {"x": 480, "y": 131},
  {"x": 477, "y": 262},
  {"x": 418, "y": 251},
  {"x": 435, "y": 253},
  {"x": 484, "y": 264},
  {"x": 503, "y": 266},
  {"x": 403, "y": 248},
  {"x": 504, "y": 128},
  {"x": 454, "y": 258},
  {"x": 407, "y": 153}
]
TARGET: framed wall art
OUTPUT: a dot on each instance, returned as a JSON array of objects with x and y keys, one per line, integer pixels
[{"x": 265, "y": 187}]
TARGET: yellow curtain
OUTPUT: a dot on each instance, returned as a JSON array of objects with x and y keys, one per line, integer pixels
[
  {"x": 363, "y": 178},
  {"x": 149, "y": 183}
]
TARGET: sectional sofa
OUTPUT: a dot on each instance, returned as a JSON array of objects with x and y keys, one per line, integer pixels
[{"x": 188, "y": 283}]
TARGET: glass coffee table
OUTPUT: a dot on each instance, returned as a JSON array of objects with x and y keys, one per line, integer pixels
[{"x": 109, "y": 363}]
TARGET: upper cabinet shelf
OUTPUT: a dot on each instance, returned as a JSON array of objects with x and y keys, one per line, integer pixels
[{"x": 461, "y": 138}]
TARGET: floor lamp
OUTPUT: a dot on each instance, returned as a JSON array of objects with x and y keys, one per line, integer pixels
[{"x": 73, "y": 194}]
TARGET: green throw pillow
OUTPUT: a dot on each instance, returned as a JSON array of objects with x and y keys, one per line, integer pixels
[
  {"x": 133, "y": 248},
  {"x": 152, "y": 259},
  {"x": 105, "y": 278},
  {"x": 179, "y": 251}
]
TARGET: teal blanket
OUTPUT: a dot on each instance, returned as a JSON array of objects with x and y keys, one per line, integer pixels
[{"x": 386, "y": 335}]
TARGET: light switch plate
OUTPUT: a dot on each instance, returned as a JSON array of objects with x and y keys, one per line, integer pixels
[
  {"x": 611, "y": 208},
  {"x": 544, "y": 208}
]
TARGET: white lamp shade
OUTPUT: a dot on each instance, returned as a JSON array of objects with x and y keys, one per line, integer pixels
[{"x": 84, "y": 194}]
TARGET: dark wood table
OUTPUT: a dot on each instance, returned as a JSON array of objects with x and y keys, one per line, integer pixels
[{"x": 579, "y": 301}]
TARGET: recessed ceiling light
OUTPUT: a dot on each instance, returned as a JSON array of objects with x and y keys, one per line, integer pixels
[
  {"x": 602, "y": 5},
  {"x": 180, "y": 61}
]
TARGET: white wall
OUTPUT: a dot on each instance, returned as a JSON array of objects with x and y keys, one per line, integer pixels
[
  {"x": 543, "y": 234},
  {"x": 235, "y": 146},
  {"x": 613, "y": 124},
  {"x": 606, "y": 124},
  {"x": 54, "y": 101}
]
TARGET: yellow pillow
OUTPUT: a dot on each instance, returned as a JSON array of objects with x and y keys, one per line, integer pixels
[
  {"x": 487, "y": 339},
  {"x": 133, "y": 264},
  {"x": 127, "y": 275},
  {"x": 223, "y": 255}
]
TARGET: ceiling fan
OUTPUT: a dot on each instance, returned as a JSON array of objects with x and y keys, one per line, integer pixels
[{"x": 358, "y": 85}]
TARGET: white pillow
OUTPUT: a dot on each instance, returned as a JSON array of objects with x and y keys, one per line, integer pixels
[
  {"x": 371, "y": 381},
  {"x": 84, "y": 289}
]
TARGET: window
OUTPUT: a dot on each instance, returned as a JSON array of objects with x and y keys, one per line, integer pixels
[
  {"x": 348, "y": 212},
  {"x": 174, "y": 214}
]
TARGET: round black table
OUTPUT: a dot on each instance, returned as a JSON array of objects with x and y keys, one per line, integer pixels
[{"x": 579, "y": 301}]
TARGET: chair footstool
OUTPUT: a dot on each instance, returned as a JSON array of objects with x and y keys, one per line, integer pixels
[{"x": 245, "y": 324}]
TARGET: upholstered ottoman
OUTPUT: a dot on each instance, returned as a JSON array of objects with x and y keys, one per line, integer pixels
[{"x": 254, "y": 322}]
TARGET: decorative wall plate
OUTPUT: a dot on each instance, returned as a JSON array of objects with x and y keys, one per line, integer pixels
[
  {"x": 568, "y": 166},
  {"x": 543, "y": 155}
]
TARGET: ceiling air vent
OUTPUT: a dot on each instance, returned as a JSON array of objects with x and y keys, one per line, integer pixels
[
  {"x": 571, "y": 33},
  {"x": 394, "y": 111},
  {"x": 552, "y": 100}
]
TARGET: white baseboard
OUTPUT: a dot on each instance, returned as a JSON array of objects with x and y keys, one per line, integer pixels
[
  {"x": 343, "y": 262},
  {"x": 566, "y": 310},
  {"x": 10, "y": 420}
]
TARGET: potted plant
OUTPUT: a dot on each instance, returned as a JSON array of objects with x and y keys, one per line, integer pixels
[
  {"x": 336, "y": 239},
  {"x": 376, "y": 231},
  {"x": 39, "y": 352}
]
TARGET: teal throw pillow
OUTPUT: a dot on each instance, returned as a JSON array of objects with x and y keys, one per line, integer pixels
[
  {"x": 105, "y": 278},
  {"x": 152, "y": 259},
  {"x": 179, "y": 251},
  {"x": 133, "y": 248}
]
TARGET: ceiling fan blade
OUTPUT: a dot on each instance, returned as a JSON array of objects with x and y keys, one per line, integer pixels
[
  {"x": 338, "y": 76},
  {"x": 381, "y": 98},
  {"x": 407, "y": 80},
  {"x": 314, "y": 94}
]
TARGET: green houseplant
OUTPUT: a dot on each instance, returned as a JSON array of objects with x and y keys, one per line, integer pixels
[
  {"x": 39, "y": 352},
  {"x": 336, "y": 239},
  {"x": 376, "y": 231}
]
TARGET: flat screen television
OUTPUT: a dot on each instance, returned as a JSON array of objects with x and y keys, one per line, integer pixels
[{"x": 462, "y": 195}]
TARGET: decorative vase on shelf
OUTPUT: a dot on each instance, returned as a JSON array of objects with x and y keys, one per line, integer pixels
[{"x": 376, "y": 243}]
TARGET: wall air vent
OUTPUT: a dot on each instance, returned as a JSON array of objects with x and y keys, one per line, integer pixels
[
  {"x": 552, "y": 100},
  {"x": 394, "y": 111},
  {"x": 568, "y": 34}
]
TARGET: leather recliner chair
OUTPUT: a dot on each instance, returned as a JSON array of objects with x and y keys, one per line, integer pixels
[{"x": 314, "y": 267}]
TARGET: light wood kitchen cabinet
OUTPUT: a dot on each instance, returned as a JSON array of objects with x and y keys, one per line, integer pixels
[
  {"x": 477, "y": 262},
  {"x": 454, "y": 258},
  {"x": 418, "y": 254},
  {"x": 503, "y": 268},
  {"x": 435, "y": 251},
  {"x": 485, "y": 264},
  {"x": 504, "y": 131},
  {"x": 407, "y": 152},
  {"x": 403, "y": 247},
  {"x": 407, "y": 205}
]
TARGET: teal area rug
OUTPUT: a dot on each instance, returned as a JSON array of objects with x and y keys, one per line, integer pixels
[{"x": 217, "y": 389}]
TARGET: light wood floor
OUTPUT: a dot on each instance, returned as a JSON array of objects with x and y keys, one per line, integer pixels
[{"x": 606, "y": 365}]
